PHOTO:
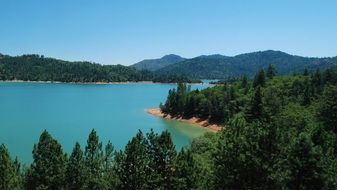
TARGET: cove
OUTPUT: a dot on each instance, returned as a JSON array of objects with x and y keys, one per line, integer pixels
[{"x": 70, "y": 111}]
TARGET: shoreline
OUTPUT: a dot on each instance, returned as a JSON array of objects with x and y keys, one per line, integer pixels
[
  {"x": 101, "y": 83},
  {"x": 194, "y": 121}
]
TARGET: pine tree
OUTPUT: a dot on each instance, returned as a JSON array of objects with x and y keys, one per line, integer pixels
[
  {"x": 316, "y": 81},
  {"x": 244, "y": 81},
  {"x": 216, "y": 112},
  {"x": 304, "y": 164},
  {"x": 241, "y": 158},
  {"x": 327, "y": 111},
  {"x": 75, "y": 173},
  {"x": 271, "y": 71},
  {"x": 190, "y": 107},
  {"x": 328, "y": 77},
  {"x": 255, "y": 109},
  {"x": 93, "y": 162},
  {"x": 186, "y": 171},
  {"x": 48, "y": 167},
  {"x": 271, "y": 101},
  {"x": 181, "y": 97},
  {"x": 170, "y": 106},
  {"x": 133, "y": 165},
  {"x": 228, "y": 167},
  {"x": 162, "y": 154},
  {"x": 259, "y": 79},
  {"x": 110, "y": 177},
  {"x": 306, "y": 94},
  {"x": 9, "y": 175}
]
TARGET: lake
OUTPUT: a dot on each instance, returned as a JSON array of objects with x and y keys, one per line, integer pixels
[{"x": 70, "y": 111}]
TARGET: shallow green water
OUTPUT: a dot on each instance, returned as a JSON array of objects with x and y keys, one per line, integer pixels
[{"x": 70, "y": 111}]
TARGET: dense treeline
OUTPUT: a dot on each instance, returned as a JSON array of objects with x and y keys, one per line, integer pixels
[
  {"x": 264, "y": 96},
  {"x": 280, "y": 131},
  {"x": 149, "y": 161},
  {"x": 39, "y": 68}
]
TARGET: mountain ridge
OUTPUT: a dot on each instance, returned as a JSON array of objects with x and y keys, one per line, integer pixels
[
  {"x": 155, "y": 64},
  {"x": 219, "y": 66}
]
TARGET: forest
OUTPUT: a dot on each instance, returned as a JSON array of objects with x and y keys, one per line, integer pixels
[
  {"x": 221, "y": 67},
  {"x": 39, "y": 68},
  {"x": 280, "y": 132}
]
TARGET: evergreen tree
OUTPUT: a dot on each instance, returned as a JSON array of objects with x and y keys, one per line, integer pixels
[
  {"x": 259, "y": 79},
  {"x": 133, "y": 165},
  {"x": 186, "y": 171},
  {"x": 271, "y": 71},
  {"x": 216, "y": 113},
  {"x": 255, "y": 109},
  {"x": 9, "y": 175},
  {"x": 316, "y": 81},
  {"x": 190, "y": 107},
  {"x": 305, "y": 72},
  {"x": 181, "y": 98},
  {"x": 163, "y": 155},
  {"x": 306, "y": 94},
  {"x": 327, "y": 110},
  {"x": 170, "y": 106},
  {"x": 328, "y": 77},
  {"x": 203, "y": 107},
  {"x": 110, "y": 177},
  {"x": 75, "y": 173},
  {"x": 236, "y": 158},
  {"x": 272, "y": 102},
  {"x": 48, "y": 167},
  {"x": 19, "y": 178},
  {"x": 244, "y": 81},
  {"x": 304, "y": 164},
  {"x": 93, "y": 162}
]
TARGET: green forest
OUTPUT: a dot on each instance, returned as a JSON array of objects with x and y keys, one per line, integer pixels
[
  {"x": 280, "y": 132},
  {"x": 39, "y": 68},
  {"x": 221, "y": 67}
]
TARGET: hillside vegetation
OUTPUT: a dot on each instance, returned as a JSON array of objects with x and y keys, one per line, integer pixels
[
  {"x": 39, "y": 68},
  {"x": 155, "y": 64},
  {"x": 221, "y": 67},
  {"x": 280, "y": 132}
]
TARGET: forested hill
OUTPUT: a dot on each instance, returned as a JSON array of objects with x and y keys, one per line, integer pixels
[
  {"x": 155, "y": 64},
  {"x": 219, "y": 67},
  {"x": 280, "y": 132},
  {"x": 39, "y": 68}
]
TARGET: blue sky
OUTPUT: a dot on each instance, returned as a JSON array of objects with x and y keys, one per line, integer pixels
[{"x": 125, "y": 31}]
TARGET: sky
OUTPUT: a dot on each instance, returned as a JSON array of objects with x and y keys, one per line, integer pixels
[{"x": 125, "y": 31}]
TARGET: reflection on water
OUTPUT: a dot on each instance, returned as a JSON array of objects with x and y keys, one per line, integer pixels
[{"x": 184, "y": 133}]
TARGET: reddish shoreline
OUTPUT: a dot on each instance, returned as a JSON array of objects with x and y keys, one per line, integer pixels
[{"x": 196, "y": 121}]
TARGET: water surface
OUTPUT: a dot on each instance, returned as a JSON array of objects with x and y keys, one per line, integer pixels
[{"x": 70, "y": 111}]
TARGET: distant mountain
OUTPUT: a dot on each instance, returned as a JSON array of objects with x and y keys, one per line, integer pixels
[
  {"x": 155, "y": 64},
  {"x": 218, "y": 66},
  {"x": 39, "y": 68}
]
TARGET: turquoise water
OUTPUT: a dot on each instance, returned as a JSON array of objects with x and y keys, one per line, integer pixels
[{"x": 70, "y": 111}]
